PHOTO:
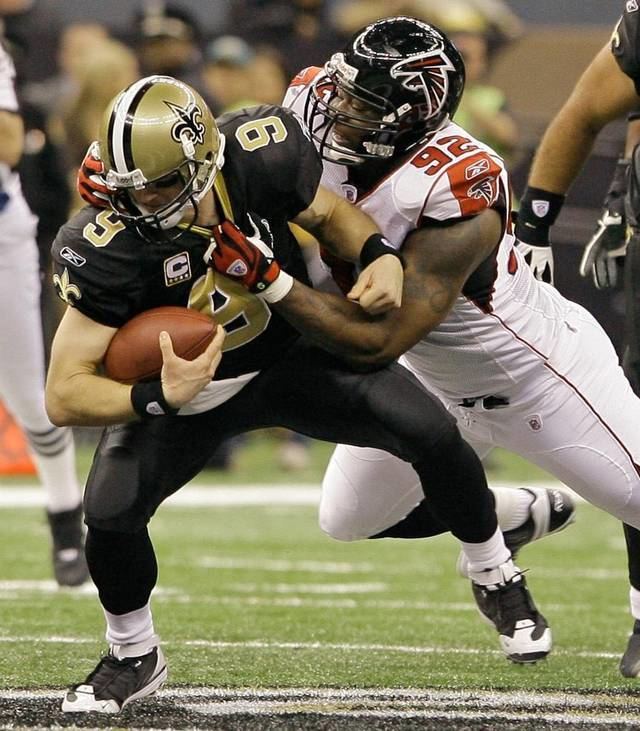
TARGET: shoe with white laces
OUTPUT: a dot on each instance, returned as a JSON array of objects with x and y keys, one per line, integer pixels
[
  {"x": 122, "y": 675},
  {"x": 551, "y": 511},
  {"x": 630, "y": 662},
  {"x": 505, "y": 602}
]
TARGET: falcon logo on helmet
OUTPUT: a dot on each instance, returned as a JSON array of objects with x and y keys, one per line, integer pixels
[{"x": 427, "y": 74}]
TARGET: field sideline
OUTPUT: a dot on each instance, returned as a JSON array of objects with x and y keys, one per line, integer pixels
[{"x": 268, "y": 624}]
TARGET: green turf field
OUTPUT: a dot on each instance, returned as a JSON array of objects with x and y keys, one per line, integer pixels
[{"x": 255, "y": 596}]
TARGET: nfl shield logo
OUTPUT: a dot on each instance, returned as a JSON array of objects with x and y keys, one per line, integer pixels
[
  {"x": 540, "y": 208},
  {"x": 237, "y": 269},
  {"x": 535, "y": 422},
  {"x": 350, "y": 192}
]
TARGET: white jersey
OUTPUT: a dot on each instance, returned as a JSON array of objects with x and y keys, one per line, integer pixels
[
  {"x": 505, "y": 321},
  {"x": 16, "y": 216}
]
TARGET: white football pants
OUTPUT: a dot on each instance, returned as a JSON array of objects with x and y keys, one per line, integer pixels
[{"x": 575, "y": 416}]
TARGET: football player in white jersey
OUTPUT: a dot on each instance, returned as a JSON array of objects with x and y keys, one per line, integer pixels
[
  {"x": 22, "y": 348},
  {"x": 520, "y": 366}
]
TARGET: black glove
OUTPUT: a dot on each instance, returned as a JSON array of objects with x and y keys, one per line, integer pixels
[
  {"x": 603, "y": 255},
  {"x": 538, "y": 212}
]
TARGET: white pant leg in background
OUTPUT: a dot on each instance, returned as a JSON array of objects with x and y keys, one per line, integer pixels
[
  {"x": 21, "y": 343},
  {"x": 22, "y": 370}
]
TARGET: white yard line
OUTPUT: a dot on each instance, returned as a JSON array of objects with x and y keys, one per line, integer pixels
[
  {"x": 31, "y": 495},
  {"x": 24, "y": 496},
  {"x": 317, "y": 646}
]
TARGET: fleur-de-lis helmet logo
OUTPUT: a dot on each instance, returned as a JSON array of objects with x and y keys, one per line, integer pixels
[{"x": 189, "y": 123}]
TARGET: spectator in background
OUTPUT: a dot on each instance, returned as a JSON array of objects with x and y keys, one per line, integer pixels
[
  {"x": 241, "y": 75},
  {"x": 109, "y": 66},
  {"x": 271, "y": 79},
  {"x": 228, "y": 74},
  {"x": 302, "y": 30},
  {"x": 483, "y": 108},
  {"x": 77, "y": 43},
  {"x": 168, "y": 42}
]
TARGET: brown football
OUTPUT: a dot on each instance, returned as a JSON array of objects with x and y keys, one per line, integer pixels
[{"x": 134, "y": 352}]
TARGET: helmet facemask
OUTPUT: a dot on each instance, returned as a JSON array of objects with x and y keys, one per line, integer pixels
[{"x": 378, "y": 127}]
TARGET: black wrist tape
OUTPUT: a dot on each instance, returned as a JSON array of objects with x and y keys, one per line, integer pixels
[
  {"x": 540, "y": 207},
  {"x": 375, "y": 247},
  {"x": 148, "y": 400}
]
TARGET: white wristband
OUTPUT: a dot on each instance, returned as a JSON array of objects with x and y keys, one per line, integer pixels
[{"x": 279, "y": 289}]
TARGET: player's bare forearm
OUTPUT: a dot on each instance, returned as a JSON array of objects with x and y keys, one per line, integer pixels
[
  {"x": 337, "y": 325},
  {"x": 439, "y": 260},
  {"x": 88, "y": 400},
  {"x": 603, "y": 93},
  {"x": 11, "y": 138},
  {"x": 76, "y": 395},
  {"x": 339, "y": 226},
  {"x": 563, "y": 151}
]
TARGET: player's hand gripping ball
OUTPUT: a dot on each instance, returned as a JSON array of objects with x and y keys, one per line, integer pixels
[{"x": 134, "y": 353}]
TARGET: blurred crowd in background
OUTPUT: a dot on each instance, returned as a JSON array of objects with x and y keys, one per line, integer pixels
[{"x": 245, "y": 56}]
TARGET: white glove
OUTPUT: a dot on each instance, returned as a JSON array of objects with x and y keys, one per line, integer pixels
[
  {"x": 606, "y": 246},
  {"x": 539, "y": 259}
]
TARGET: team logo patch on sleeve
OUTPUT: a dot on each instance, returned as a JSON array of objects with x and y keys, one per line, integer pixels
[
  {"x": 474, "y": 183},
  {"x": 67, "y": 291},
  {"x": 485, "y": 189}
]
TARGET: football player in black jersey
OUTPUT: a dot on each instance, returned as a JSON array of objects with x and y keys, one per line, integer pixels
[
  {"x": 608, "y": 89},
  {"x": 180, "y": 190}
]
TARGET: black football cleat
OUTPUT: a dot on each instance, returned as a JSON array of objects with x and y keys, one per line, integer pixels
[
  {"x": 116, "y": 681},
  {"x": 67, "y": 534},
  {"x": 506, "y": 604}
]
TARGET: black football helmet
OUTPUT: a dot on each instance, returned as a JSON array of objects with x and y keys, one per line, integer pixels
[{"x": 406, "y": 75}]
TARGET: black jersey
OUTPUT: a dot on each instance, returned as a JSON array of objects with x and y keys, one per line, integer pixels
[
  {"x": 625, "y": 43},
  {"x": 110, "y": 273}
]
